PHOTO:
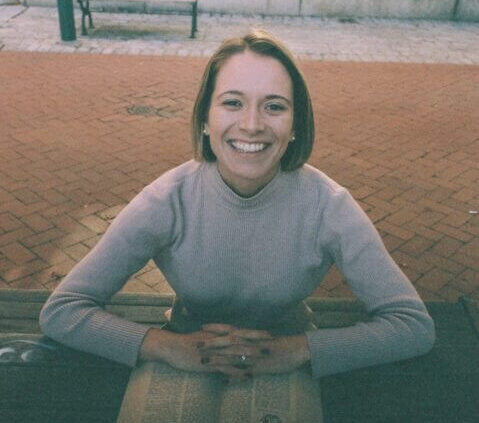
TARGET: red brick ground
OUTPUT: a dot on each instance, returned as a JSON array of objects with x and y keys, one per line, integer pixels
[{"x": 81, "y": 134}]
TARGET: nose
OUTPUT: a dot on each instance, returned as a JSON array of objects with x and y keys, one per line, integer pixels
[{"x": 251, "y": 121}]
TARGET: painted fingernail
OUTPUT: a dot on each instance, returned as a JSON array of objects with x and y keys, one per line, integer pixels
[
  {"x": 200, "y": 345},
  {"x": 266, "y": 351},
  {"x": 205, "y": 360}
]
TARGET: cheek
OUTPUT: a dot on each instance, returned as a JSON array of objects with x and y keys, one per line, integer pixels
[
  {"x": 218, "y": 121},
  {"x": 283, "y": 129}
]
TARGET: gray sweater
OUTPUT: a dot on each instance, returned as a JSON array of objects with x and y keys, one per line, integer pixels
[{"x": 241, "y": 259}]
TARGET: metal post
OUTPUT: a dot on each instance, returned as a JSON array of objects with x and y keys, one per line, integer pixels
[
  {"x": 194, "y": 13},
  {"x": 67, "y": 20}
]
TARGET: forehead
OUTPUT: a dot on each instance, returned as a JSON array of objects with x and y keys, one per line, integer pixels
[{"x": 251, "y": 73}]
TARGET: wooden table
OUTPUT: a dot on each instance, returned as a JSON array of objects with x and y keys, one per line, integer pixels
[{"x": 43, "y": 382}]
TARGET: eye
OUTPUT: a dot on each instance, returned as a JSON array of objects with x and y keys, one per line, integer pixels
[
  {"x": 232, "y": 103},
  {"x": 275, "y": 107}
]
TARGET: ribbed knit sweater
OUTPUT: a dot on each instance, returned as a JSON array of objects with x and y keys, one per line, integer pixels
[{"x": 238, "y": 259}]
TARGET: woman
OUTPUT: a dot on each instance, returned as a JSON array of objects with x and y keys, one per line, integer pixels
[{"x": 244, "y": 234}]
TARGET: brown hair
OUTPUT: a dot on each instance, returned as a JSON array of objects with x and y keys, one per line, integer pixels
[{"x": 263, "y": 43}]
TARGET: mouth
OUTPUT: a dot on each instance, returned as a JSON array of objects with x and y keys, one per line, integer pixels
[{"x": 248, "y": 147}]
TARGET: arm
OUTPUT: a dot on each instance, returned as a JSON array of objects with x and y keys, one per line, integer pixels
[
  {"x": 400, "y": 326},
  {"x": 74, "y": 313}
]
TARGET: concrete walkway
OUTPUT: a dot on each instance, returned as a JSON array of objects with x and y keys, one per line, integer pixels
[
  {"x": 81, "y": 134},
  {"x": 37, "y": 29}
]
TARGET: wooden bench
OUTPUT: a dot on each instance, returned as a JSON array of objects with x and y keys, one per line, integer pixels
[
  {"x": 44, "y": 382},
  {"x": 86, "y": 12}
]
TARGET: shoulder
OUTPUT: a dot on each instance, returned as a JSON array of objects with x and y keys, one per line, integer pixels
[
  {"x": 161, "y": 197},
  {"x": 312, "y": 180},
  {"x": 174, "y": 180},
  {"x": 157, "y": 208},
  {"x": 335, "y": 206}
]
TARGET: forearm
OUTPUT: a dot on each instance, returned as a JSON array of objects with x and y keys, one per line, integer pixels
[
  {"x": 396, "y": 333},
  {"x": 158, "y": 344},
  {"x": 76, "y": 321}
]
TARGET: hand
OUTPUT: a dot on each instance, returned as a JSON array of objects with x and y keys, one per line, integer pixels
[
  {"x": 187, "y": 351},
  {"x": 223, "y": 352},
  {"x": 181, "y": 351},
  {"x": 264, "y": 353}
]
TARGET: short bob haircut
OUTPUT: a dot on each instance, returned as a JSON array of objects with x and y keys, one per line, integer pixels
[{"x": 263, "y": 43}]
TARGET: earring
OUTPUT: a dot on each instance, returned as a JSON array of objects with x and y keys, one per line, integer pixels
[
  {"x": 205, "y": 131},
  {"x": 293, "y": 139}
]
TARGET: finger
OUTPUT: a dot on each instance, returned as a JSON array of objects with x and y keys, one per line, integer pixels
[
  {"x": 236, "y": 350},
  {"x": 219, "y": 329},
  {"x": 218, "y": 342},
  {"x": 253, "y": 335},
  {"x": 242, "y": 362},
  {"x": 223, "y": 361}
]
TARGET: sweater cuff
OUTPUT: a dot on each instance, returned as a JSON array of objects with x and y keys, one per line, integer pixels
[{"x": 122, "y": 344}]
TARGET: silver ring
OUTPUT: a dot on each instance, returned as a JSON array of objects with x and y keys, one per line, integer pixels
[{"x": 243, "y": 362}]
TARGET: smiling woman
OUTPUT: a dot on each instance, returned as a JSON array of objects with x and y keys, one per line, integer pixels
[
  {"x": 250, "y": 121},
  {"x": 244, "y": 234}
]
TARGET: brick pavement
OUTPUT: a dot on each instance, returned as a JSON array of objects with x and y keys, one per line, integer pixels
[{"x": 81, "y": 134}]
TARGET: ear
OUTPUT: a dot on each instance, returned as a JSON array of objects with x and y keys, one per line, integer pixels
[{"x": 206, "y": 130}]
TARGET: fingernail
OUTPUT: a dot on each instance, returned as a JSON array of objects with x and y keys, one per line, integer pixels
[
  {"x": 200, "y": 345},
  {"x": 205, "y": 360},
  {"x": 266, "y": 351}
]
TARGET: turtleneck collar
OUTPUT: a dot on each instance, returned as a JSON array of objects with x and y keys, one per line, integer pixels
[{"x": 231, "y": 198}]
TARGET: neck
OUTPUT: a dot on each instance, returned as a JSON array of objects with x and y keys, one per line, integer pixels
[{"x": 247, "y": 187}]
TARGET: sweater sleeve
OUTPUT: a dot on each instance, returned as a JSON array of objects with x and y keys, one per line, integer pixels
[
  {"x": 399, "y": 326},
  {"x": 74, "y": 314}
]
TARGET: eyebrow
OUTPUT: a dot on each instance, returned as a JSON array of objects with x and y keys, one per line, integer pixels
[{"x": 268, "y": 97}]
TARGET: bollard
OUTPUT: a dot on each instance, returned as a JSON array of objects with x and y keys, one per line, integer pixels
[{"x": 66, "y": 19}]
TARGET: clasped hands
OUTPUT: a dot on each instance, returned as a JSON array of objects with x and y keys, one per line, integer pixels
[{"x": 236, "y": 353}]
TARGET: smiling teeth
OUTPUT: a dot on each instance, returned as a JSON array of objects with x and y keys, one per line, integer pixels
[{"x": 247, "y": 147}]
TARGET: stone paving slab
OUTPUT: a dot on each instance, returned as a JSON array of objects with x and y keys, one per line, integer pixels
[
  {"x": 371, "y": 40},
  {"x": 81, "y": 134}
]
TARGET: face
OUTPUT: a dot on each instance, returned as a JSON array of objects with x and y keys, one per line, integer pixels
[{"x": 250, "y": 121}]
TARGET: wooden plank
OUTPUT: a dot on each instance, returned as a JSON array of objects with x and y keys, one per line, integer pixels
[
  {"x": 143, "y": 314},
  {"x": 41, "y": 295},
  {"x": 19, "y": 326},
  {"x": 152, "y": 299},
  {"x": 21, "y": 295},
  {"x": 12, "y": 309}
]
